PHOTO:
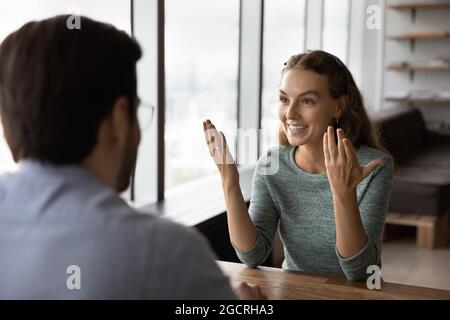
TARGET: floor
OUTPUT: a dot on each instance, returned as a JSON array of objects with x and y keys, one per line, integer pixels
[{"x": 404, "y": 263}]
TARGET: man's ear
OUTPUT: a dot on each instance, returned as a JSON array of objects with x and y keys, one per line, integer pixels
[{"x": 120, "y": 121}]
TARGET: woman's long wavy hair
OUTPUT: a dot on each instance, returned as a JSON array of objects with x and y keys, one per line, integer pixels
[{"x": 354, "y": 119}]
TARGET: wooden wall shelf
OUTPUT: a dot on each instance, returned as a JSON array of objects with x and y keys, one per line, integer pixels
[
  {"x": 413, "y": 37},
  {"x": 416, "y": 6},
  {"x": 420, "y": 101},
  {"x": 399, "y": 67},
  {"x": 422, "y": 36},
  {"x": 403, "y": 6}
]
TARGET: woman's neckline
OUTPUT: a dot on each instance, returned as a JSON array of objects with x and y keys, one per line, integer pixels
[{"x": 300, "y": 170}]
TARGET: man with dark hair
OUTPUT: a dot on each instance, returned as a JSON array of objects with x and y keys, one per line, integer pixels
[{"x": 68, "y": 106}]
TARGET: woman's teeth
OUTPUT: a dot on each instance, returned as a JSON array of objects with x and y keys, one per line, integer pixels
[{"x": 296, "y": 128}]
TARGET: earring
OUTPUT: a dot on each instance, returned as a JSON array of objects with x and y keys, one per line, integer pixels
[{"x": 336, "y": 122}]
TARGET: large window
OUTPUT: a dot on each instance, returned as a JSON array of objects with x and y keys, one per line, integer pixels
[
  {"x": 335, "y": 35},
  {"x": 14, "y": 13},
  {"x": 202, "y": 52},
  {"x": 284, "y": 36}
]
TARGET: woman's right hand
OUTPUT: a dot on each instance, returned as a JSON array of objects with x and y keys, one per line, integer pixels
[
  {"x": 242, "y": 230},
  {"x": 219, "y": 151}
]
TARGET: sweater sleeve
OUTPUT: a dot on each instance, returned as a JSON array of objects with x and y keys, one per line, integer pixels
[
  {"x": 373, "y": 207},
  {"x": 263, "y": 215}
]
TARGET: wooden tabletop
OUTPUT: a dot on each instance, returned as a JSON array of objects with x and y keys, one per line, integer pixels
[{"x": 279, "y": 284}]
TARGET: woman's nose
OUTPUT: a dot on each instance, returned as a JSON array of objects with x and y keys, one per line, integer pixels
[{"x": 292, "y": 111}]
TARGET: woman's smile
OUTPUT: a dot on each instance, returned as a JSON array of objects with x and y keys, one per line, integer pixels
[{"x": 295, "y": 129}]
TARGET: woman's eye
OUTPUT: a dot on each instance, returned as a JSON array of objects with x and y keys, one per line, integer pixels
[
  {"x": 283, "y": 99},
  {"x": 308, "y": 101}
]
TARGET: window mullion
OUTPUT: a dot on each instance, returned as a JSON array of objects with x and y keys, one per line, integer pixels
[{"x": 250, "y": 80}]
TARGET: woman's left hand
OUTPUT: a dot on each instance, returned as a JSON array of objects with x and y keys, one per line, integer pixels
[{"x": 343, "y": 170}]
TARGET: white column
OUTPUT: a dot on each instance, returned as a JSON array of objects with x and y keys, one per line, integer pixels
[
  {"x": 146, "y": 33},
  {"x": 314, "y": 24},
  {"x": 249, "y": 80}
]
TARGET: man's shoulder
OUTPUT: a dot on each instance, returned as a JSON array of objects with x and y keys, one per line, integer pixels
[
  {"x": 6, "y": 176},
  {"x": 88, "y": 206},
  {"x": 162, "y": 232},
  {"x": 180, "y": 235},
  {"x": 164, "y": 226}
]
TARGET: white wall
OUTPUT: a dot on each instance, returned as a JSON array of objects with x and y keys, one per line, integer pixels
[
  {"x": 400, "y": 22},
  {"x": 366, "y": 52},
  {"x": 371, "y": 52}
]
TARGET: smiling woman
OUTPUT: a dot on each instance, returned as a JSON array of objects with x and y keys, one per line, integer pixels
[{"x": 330, "y": 193}]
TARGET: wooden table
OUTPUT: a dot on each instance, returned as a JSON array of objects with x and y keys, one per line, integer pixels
[{"x": 279, "y": 284}]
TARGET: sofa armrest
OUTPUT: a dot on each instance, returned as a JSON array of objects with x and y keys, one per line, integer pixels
[{"x": 437, "y": 136}]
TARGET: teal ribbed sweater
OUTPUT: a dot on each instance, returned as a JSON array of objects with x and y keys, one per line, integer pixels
[{"x": 302, "y": 204}]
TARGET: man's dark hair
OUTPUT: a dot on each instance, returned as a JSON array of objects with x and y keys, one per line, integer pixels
[{"x": 58, "y": 84}]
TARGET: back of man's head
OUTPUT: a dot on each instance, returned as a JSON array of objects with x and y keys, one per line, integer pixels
[{"x": 58, "y": 84}]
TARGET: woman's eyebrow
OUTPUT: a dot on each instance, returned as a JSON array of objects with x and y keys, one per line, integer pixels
[{"x": 303, "y": 93}]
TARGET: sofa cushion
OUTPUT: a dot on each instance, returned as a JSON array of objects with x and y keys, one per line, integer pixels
[
  {"x": 402, "y": 130},
  {"x": 422, "y": 179},
  {"x": 436, "y": 155},
  {"x": 420, "y": 190}
]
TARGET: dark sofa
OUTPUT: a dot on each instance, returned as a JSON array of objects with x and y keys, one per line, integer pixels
[{"x": 422, "y": 179}]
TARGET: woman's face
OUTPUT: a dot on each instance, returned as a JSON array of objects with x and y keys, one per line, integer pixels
[{"x": 306, "y": 107}]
